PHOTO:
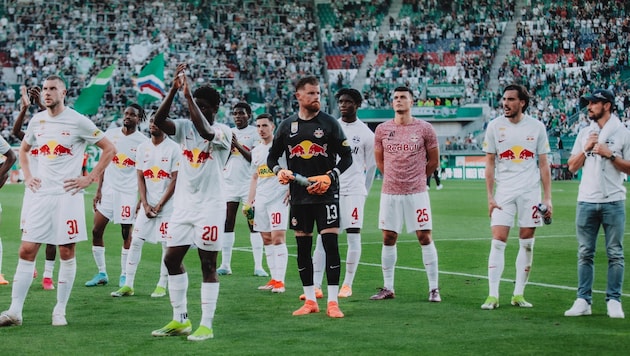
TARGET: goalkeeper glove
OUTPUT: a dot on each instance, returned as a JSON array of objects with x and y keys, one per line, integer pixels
[
  {"x": 321, "y": 183},
  {"x": 248, "y": 211},
  {"x": 285, "y": 176}
]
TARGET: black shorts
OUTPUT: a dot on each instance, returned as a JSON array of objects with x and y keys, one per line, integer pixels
[{"x": 302, "y": 217}]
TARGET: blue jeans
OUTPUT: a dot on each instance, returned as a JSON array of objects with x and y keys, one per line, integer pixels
[{"x": 588, "y": 218}]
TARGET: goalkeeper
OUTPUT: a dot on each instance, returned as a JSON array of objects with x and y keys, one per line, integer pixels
[{"x": 316, "y": 148}]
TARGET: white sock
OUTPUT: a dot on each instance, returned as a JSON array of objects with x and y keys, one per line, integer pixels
[
  {"x": 389, "y": 255},
  {"x": 319, "y": 262},
  {"x": 177, "y": 288},
  {"x": 1, "y": 256},
  {"x": 309, "y": 292},
  {"x": 332, "y": 293},
  {"x": 21, "y": 283},
  {"x": 352, "y": 257},
  {"x": 282, "y": 259},
  {"x": 99, "y": 257},
  {"x": 257, "y": 249},
  {"x": 270, "y": 255},
  {"x": 49, "y": 268},
  {"x": 67, "y": 273},
  {"x": 163, "y": 270},
  {"x": 496, "y": 263},
  {"x": 209, "y": 297},
  {"x": 430, "y": 260},
  {"x": 133, "y": 259},
  {"x": 523, "y": 264},
  {"x": 226, "y": 250},
  {"x": 123, "y": 261}
]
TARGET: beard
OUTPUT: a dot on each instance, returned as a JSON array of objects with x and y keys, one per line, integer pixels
[
  {"x": 313, "y": 107},
  {"x": 596, "y": 116}
]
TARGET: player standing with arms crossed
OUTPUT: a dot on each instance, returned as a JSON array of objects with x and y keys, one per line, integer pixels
[
  {"x": 406, "y": 152},
  {"x": 312, "y": 141},
  {"x": 116, "y": 198},
  {"x": 268, "y": 201},
  {"x": 61, "y": 135},
  {"x": 158, "y": 163},
  {"x": 198, "y": 202},
  {"x": 516, "y": 147}
]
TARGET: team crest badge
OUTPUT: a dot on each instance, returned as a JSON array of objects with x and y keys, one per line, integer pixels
[
  {"x": 294, "y": 127},
  {"x": 293, "y": 221},
  {"x": 319, "y": 133}
]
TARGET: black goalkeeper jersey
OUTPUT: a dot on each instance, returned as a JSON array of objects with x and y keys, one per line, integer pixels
[{"x": 312, "y": 148}]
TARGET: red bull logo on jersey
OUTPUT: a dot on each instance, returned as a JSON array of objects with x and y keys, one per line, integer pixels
[
  {"x": 307, "y": 149},
  {"x": 196, "y": 157},
  {"x": 121, "y": 160},
  {"x": 517, "y": 154},
  {"x": 52, "y": 149},
  {"x": 155, "y": 174}
]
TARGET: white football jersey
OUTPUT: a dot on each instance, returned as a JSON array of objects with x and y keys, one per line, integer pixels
[
  {"x": 120, "y": 174},
  {"x": 268, "y": 188},
  {"x": 358, "y": 178},
  {"x": 157, "y": 164}
]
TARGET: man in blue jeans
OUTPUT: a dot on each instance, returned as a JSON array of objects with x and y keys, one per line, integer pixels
[{"x": 602, "y": 150}]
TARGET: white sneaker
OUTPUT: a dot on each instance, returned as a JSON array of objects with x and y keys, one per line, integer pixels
[
  {"x": 439, "y": 187},
  {"x": 9, "y": 319},
  {"x": 614, "y": 309},
  {"x": 580, "y": 307},
  {"x": 59, "y": 320},
  {"x": 434, "y": 295}
]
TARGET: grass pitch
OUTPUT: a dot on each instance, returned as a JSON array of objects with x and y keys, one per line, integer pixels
[{"x": 249, "y": 321}]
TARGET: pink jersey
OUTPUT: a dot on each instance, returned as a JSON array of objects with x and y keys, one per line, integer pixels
[{"x": 404, "y": 150}]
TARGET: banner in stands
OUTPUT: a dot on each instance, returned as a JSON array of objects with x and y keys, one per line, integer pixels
[
  {"x": 446, "y": 91},
  {"x": 434, "y": 111}
]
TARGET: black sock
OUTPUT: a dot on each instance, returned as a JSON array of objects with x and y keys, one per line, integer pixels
[
  {"x": 333, "y": 261},
  {"x": 304, "y": 259}
]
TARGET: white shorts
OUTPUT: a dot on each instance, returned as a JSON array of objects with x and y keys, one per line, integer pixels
[
  {"x": 151, "y": 230},
  {"x": 270, "y": 216},
  {"x": 26, "y": 201},
  {"x": 512, "y": 203},
  {"x": 236, "y": 192},
  {"x": 203, "y": 229},
  {"x": 55, "y": 219},
  {"x": 351, "y": 211},
  {"x": 118, "y": 207},
  {"x": 413, "y": 209}
]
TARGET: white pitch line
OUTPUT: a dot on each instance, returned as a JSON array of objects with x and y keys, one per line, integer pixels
[{"x": 461, "y": 274}]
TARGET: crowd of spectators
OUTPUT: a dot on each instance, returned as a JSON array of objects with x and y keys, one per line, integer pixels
[
  {"x": 249, "y": 51},
  {"x": 434, "y": 42},
  {"x": 254, "y": 50},
  {"x": 564, "y": 49}
]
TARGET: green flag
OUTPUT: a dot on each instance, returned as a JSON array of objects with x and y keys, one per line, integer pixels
[
  {"x": 150, "y": 82},
  {"x": 89, "y": 100}
]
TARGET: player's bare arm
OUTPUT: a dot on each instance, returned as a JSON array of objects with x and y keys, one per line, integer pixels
[
  {"x": 161, "y": 119},
  {"x": 10, "y": 158},
  {"x": 168, "y": 193},
  {"x": 142, "y": 193},
  {"x": 380, "y": 161},
  {"x": 545, "y": 179},
  {"x": 489, "y": 174},
  {"x": 203, "y": 126},
  {"x": 245, "y": 153},
  {"x": 32, "y": 183},
  {"x": 74, "y": 185},
  {"x": 433, "y": 160}
]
